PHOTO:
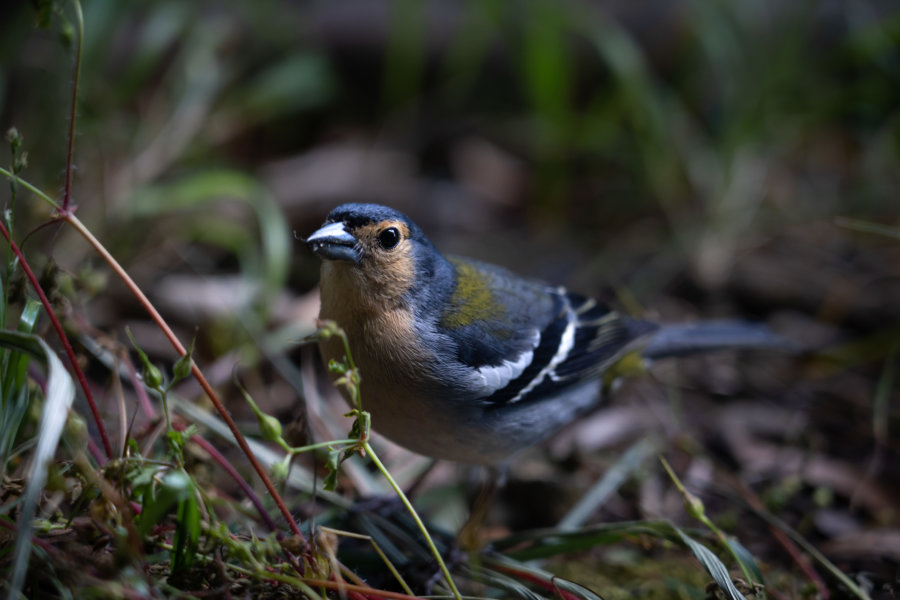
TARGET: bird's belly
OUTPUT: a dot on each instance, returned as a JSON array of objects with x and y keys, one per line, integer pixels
[{"x": 475, "y": 433}]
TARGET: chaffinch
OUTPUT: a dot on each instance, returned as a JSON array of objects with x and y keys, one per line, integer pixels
[{"x": 464, "y": 360}]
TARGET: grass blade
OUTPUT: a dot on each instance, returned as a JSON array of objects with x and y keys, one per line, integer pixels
[
  {"x": 631, "y": 461},
  {"x": 58, "y": 398},
  {"x": 715, "y": 567}
]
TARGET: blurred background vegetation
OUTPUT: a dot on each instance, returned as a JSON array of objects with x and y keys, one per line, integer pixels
[
  {"x": 684, "y": 158},
  {"x": 692, "y": 130}
]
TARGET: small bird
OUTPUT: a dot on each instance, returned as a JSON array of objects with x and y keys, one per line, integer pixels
[{"x": 466, "y": 361}]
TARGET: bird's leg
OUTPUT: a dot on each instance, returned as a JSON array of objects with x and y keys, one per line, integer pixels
[{"x": 471, "y": 535}]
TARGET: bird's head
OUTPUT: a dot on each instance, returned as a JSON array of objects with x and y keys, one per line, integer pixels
[{"x": 372, "y": 250}]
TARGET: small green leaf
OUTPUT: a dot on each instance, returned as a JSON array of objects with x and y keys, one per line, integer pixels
[
  {"x": 175, "y": 487},
  {"x": 187, "y": 532},
  {"x": 332, "y": 464},
  {"x": 355, "y": 429},
  {"x": 29, "y": 316},
  {"x": 176, "y": 437},
  {"x": 144, "y": 476}
]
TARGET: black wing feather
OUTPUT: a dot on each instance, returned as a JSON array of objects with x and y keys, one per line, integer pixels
[{"x": 601, "y": 337}]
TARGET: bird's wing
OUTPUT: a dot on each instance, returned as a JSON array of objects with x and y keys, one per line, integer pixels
[
  {"x": 525, "y": 340},
  {"x": 584, "y": 339}
]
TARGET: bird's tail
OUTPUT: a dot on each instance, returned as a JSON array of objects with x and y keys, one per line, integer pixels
[{"x": 706, "y": 336}]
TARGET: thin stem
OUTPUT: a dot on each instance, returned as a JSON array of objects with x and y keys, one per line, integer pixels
[
  {"x": 696, "y": 509},
  {"x": 70, "y": 150},
  {"x": 317, "y": 445},
  {"x": 195, "y": 370},
  {"x": 791, "y": 539},
  {"x": 387, "y": 562},
  {"x": 307, "y": 584},
  {"x": 30, "y": 187},
  {"x": 242, "y": 483},
  {"x": 412, "y": 511},
  {"x": 64, "y": 340}
]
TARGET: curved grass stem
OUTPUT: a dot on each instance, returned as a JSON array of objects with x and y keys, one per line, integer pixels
[
  {"x": 412, "y": 511},
  {"x": 195, "y": 370}
]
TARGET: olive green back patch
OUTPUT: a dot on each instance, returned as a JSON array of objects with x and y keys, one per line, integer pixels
[{"x": 472, "y": 299}]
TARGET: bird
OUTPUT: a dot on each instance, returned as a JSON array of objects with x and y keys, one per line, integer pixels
[{"x": 466, "y": 361}]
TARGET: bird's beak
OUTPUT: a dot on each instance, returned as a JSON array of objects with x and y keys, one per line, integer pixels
[{"x": 334, "y": 242}]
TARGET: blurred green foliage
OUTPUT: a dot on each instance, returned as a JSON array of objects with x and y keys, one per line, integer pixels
[
  {"x": 647, "y": 96},
  {"x": 720, "y": 123}
]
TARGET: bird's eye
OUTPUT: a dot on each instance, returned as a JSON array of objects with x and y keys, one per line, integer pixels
[{"x": 389, "y": 238}]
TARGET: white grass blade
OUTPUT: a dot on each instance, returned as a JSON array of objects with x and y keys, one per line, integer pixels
[{"x": 57, "y": 400}]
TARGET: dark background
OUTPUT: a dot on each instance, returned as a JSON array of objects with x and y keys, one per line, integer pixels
[{"x": 682, "y": 159}]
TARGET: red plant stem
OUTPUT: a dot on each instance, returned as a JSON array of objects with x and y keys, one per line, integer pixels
[
  {"x": 547, "y": 585},
  {"x": 782, "y": 538},
  {"x": 95, "y": 451},
  {"x": 242, "y": 483},
  {"x": 802, "y": 561},
  {"x": 67, "y": 347},
  {"x": 195, "y": 370},
  {"x": 359, "y": 591}
]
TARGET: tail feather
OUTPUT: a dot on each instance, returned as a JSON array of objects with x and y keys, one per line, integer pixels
[{"x": 706, "y": 336}]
